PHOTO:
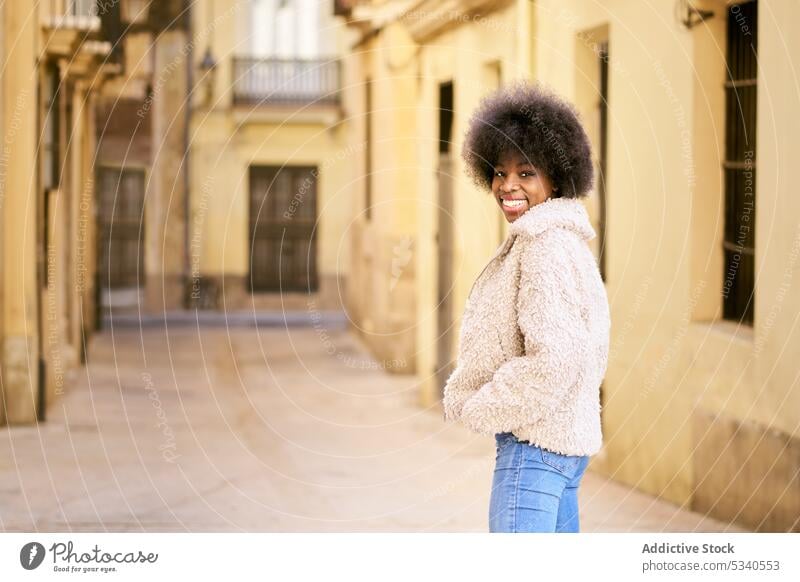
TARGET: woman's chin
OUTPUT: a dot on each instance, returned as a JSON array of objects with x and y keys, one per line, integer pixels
[{"x": 512, "y": 214}]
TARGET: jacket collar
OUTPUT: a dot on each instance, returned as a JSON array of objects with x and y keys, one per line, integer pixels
[{"x": 568, "y": 213}]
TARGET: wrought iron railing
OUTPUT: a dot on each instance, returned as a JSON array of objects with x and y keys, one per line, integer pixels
[
  {"x": 80, "y": 14},
  {"x": 285, "y": 81}
]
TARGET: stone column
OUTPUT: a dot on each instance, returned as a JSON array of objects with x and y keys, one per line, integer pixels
[
  {"x": 165, "y": 208},
  {"x": 86, "y": 243},
  {"x": 78, "y": 188},
  {"x": 3, "y": 174},
  {"x": 20, "y": 348}
]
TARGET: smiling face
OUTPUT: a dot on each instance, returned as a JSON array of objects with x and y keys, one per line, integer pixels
[{"x": 518, "y": 186}]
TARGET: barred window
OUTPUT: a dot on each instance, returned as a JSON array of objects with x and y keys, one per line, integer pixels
[{"x": 740, "y": 163}]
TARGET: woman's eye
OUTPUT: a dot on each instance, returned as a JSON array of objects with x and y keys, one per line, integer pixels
[
  {"x": 526, "y": 174},
  {"x": 498, "y": 173}
]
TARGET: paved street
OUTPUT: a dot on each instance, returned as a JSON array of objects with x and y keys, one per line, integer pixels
[{"x": 239, "y": 428}]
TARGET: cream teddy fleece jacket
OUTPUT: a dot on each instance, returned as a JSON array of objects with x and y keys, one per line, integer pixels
[{"x": 533, "y": 344}]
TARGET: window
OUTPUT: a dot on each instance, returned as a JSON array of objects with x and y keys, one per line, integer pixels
[
  {"x": 51, "y": 165},
  {"x": 740, "y": 163},
  {"x": 288, "y": 29}
]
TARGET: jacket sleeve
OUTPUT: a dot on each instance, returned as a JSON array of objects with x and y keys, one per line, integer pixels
[
  {"x": 527, "y": 387},
  {"x": 454, "y": 398}
]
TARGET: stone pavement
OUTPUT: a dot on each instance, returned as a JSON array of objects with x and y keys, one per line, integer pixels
[{"x": 214, "y": 427}]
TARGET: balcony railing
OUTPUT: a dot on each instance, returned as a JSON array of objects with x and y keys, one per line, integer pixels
[
  {"x": 260, "y": 81},
  {"x": 75, "y": 14}
]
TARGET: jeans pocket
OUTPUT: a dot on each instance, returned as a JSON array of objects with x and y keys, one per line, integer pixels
[{"x": 567, "y": 465}]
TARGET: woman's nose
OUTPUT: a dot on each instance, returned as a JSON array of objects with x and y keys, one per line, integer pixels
[{"x": 509, "y": 185}]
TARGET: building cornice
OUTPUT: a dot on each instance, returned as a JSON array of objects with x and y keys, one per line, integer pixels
[
  {"x": 426, "y": 19},
  {"x": 369, "y": 19}
]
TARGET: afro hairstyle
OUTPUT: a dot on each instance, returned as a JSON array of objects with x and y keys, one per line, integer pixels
[{"x": 543, "y": 128}]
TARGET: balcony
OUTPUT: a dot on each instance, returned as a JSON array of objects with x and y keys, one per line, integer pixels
[
  {"x": 79, "y": 15},
  {"x": 285, "y": 82},
  {"x": 67, "y": 24}
]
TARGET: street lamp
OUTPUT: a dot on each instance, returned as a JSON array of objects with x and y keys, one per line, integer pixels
[{"x": 209, "y": 64}]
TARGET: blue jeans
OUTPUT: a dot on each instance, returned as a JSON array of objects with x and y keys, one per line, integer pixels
[{"x": 533, "y": 489}]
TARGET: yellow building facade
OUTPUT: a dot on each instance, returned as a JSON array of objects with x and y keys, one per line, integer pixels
[
  {"x": 700, "y": 402},
  {"x": 56, "y": 56},
  {"x": 268, "y": 166},
  {"x": 159, "y": 157}
]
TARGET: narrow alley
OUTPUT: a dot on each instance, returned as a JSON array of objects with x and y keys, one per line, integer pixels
[{"x": 227, "y": 426}]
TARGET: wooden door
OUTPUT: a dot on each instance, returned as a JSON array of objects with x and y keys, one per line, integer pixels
[
  {"x": 444, "y": 239},
  {"x": 444, "y": 280},
  {"x": 121, "y": 228},
  {"x": 283, "y": 214}
]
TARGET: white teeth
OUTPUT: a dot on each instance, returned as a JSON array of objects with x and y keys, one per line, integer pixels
[{"x": 513, "y": 203}]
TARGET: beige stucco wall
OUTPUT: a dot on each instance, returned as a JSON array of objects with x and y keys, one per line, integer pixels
[
  {"x": 778, "y": 234},
  {"x": 382, "y": 296}
]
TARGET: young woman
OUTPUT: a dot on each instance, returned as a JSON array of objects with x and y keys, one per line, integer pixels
[{"x": 534, "y": 336}]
